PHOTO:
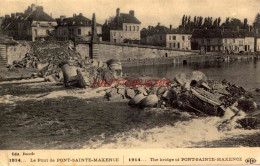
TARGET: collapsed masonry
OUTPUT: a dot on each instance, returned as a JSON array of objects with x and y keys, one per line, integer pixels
[{"x": 196, "y": 94}]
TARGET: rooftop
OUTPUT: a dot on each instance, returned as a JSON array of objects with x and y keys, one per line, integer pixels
[
  {"x": 39, "y": 15},
  {"x": 128, "y": 18},
  {"x": 161, "y": 29},
  {"x": 116, "y": 23},
  {"x": 218, "y": 33},
  {"x": 76, "y": 20}
]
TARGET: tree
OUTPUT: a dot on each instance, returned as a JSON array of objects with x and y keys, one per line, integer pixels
[
  {"x": 256, "y": 23},
  {"x": 219, "y": 21},
  {"x": 215, "y": 24}
]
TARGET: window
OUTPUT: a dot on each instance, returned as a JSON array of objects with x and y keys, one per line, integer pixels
[
  {"x": 64, "y": 32},
  {"x": 188, "y": 37},
  {"x": 129, "y": 28},
  {"x": 174, "y": 38},
  {"x": 234, "y": 40},
  {"x": 114, "y": 33},
  {"x": 137, "y": 28},
  {"x": 79, "y": 31},
  {"x": 240, "y": 43},
  {"x": 133, "y": 28},
  {"x": 174, "y": 45},
  {"x": 183, "y": 38},
  {"x": 126, "y": 28},
  {"x": 170, "y": 37}
]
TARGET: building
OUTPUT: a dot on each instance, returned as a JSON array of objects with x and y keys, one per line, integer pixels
[
  {"x": 123, "y": 28},
  {"x": 166, "y": 37},
  {"x": 75, "y": 28},
  {"x": 33, "y": 24},
  {"x": 217, "y": 40}
]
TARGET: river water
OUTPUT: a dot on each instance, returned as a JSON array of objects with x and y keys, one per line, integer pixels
[{"x": 48, "y": 116}]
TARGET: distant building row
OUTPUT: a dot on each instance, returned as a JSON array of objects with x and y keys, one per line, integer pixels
[
  {"x": 35, "y": 24},
  {"x": 221, "y": 40}
]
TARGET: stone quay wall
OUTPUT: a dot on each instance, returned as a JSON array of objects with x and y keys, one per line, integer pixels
[
  {"x": 131, "y": 52},
  {"x": 127, "y": 53}
]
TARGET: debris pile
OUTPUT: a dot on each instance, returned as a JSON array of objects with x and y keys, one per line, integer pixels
[
  {"x": 194, "y": 93},
  {"x": 89, "y": 71},
  {"x": 46, "y": 56}
]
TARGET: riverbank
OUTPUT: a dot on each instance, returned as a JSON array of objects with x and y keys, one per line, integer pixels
[
  {"x": 185, "y": 59},
  {"x": 7, "y": 74}
]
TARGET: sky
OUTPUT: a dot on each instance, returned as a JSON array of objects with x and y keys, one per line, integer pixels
[{"x": 149, "y": 12}]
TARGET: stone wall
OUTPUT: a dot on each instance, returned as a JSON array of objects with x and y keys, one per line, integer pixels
[
  {"x": 125, "y": 51},
  {"x": 106, "y": 51}
]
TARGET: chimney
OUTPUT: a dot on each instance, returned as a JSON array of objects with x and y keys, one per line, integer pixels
[
  {"x": 117, "y": 15},
  {"x": 149, "y": 27},
  {"x": 158, "y": 24},
  {"x": 80, "y": 14},
  {"x": 74, "y": 14},
  {"x": 171, "y": 27},
  {"x": 62, "y": 18},
  {"x": 117, "y": 12},
  {"x": 132, "y": 13},
  {"x": 33, "y": 7}
]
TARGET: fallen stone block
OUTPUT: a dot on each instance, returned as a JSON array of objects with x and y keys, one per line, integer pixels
[
  {"x": 136, "y": 100},
  {"x": 121, "y": 91},
  {"x": 130, "y": 93},
  {"x": 247, "y": 105},
  {"x": 51, "y": 78},
  {"x": 149, "y": 101}
]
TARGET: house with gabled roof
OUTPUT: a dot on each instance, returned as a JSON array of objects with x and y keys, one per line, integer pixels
[
  {"x": 33, "y": 24},
  {"x": 222, "y": 40},
  {"x": 166, "y": 37},
  {"x": 77, "y": 27},
  {"x": 123, "y": 28}
]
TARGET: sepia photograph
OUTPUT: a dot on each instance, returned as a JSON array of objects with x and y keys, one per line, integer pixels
[{"x": 129, "y": 74}]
